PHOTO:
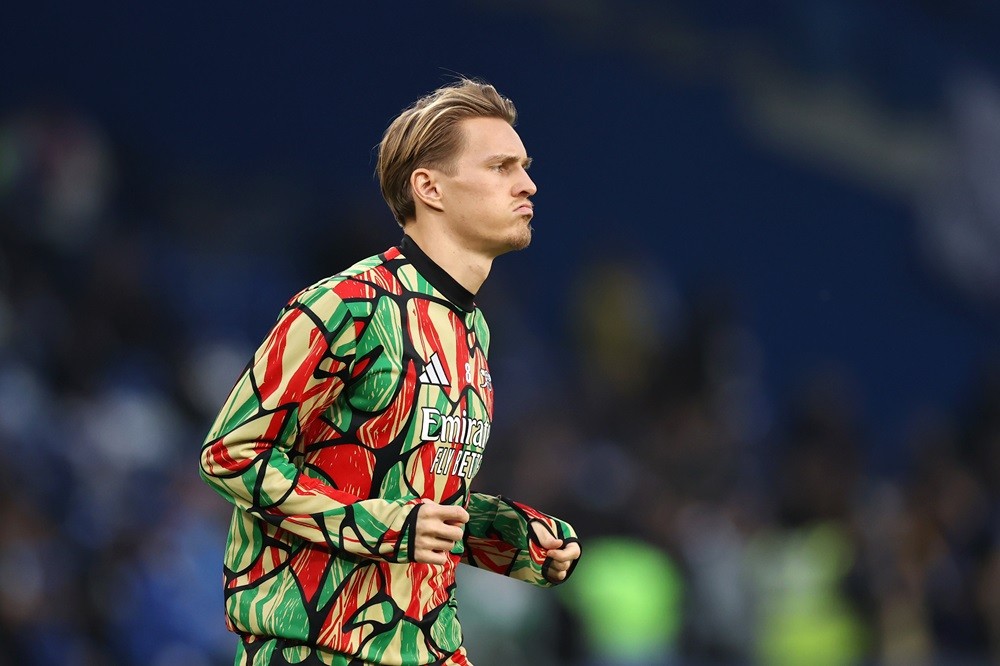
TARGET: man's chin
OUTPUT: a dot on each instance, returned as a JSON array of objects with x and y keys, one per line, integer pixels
[
  {"x": 514, "y": 242},
  {"x": 520, "y": 240}
]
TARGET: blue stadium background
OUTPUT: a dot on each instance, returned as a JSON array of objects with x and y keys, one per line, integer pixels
[{"x": 752, "y": 352}]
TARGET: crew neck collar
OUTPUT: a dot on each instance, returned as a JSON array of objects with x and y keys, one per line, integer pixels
[{"x": 437, "y": 276}]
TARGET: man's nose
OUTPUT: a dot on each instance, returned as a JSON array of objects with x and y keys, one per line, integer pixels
[{"x": 526, "y": 186}]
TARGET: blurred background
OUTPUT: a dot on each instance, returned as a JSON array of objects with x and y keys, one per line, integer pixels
[{"x": 752, "y": 353}]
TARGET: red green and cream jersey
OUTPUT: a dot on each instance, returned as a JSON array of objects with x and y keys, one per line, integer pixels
[{"x": 370, "y": 394}]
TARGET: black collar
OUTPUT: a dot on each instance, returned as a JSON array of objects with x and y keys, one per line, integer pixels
[{"x": 437, "y": 276}]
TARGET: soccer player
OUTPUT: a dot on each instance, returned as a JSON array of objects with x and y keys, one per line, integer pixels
[{"x": 350, "y": 442}]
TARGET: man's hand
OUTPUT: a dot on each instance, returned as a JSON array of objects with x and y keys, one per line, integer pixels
[
  {"x": 439, "y": 528},
  {"x": 562, "y": 558}
]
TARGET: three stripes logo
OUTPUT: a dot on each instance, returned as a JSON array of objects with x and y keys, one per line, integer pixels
[{"x": 434, "y": 372}]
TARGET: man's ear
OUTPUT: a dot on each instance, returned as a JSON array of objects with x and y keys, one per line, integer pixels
[{"x": 426, "y": 188}]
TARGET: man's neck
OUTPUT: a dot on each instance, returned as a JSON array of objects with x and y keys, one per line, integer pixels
[{"x": 465, "y": 266}]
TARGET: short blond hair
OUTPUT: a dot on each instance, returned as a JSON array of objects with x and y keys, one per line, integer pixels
[{"x": 427, "y": 135}]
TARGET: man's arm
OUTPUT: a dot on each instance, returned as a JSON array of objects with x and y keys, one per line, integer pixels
[
  {"x": 301, "y": 367},
  {"x": 515, "y": 540}
]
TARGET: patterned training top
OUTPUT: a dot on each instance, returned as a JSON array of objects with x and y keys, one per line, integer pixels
[{"x": 371, "y": 393}]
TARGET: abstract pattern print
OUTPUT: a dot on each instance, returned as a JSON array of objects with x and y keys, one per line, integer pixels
[
  {"x": 253, "y": 651},
  {"x": 370, "y": 394}
]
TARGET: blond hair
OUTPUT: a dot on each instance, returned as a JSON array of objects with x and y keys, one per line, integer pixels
[{"x": 427, "y": 135}]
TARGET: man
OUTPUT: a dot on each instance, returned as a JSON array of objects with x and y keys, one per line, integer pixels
[{"x": 350, "y": 442}]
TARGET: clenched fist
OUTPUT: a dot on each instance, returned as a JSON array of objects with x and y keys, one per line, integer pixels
[
  {"x": 561, "y": 557},
  {"x": 439, "y": 528}
]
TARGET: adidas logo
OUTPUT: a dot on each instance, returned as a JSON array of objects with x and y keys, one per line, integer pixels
[{"x": 434, "y": 372}]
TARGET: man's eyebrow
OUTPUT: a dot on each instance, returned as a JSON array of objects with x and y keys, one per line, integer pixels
[{"x": 504, "y": 158}]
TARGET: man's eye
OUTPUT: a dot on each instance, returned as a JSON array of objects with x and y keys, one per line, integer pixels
[{"x": 500, "y": 167}]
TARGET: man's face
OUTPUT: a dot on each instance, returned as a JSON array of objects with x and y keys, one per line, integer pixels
[{"x": 486, "y": 199}]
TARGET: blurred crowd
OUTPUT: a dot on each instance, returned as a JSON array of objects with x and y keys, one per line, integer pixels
[{"x": 721, "y": 524}]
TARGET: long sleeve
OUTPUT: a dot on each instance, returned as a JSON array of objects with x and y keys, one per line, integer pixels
[
  {"x": 299, "y": 370},
  {"x": 499, "y": 538}
]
